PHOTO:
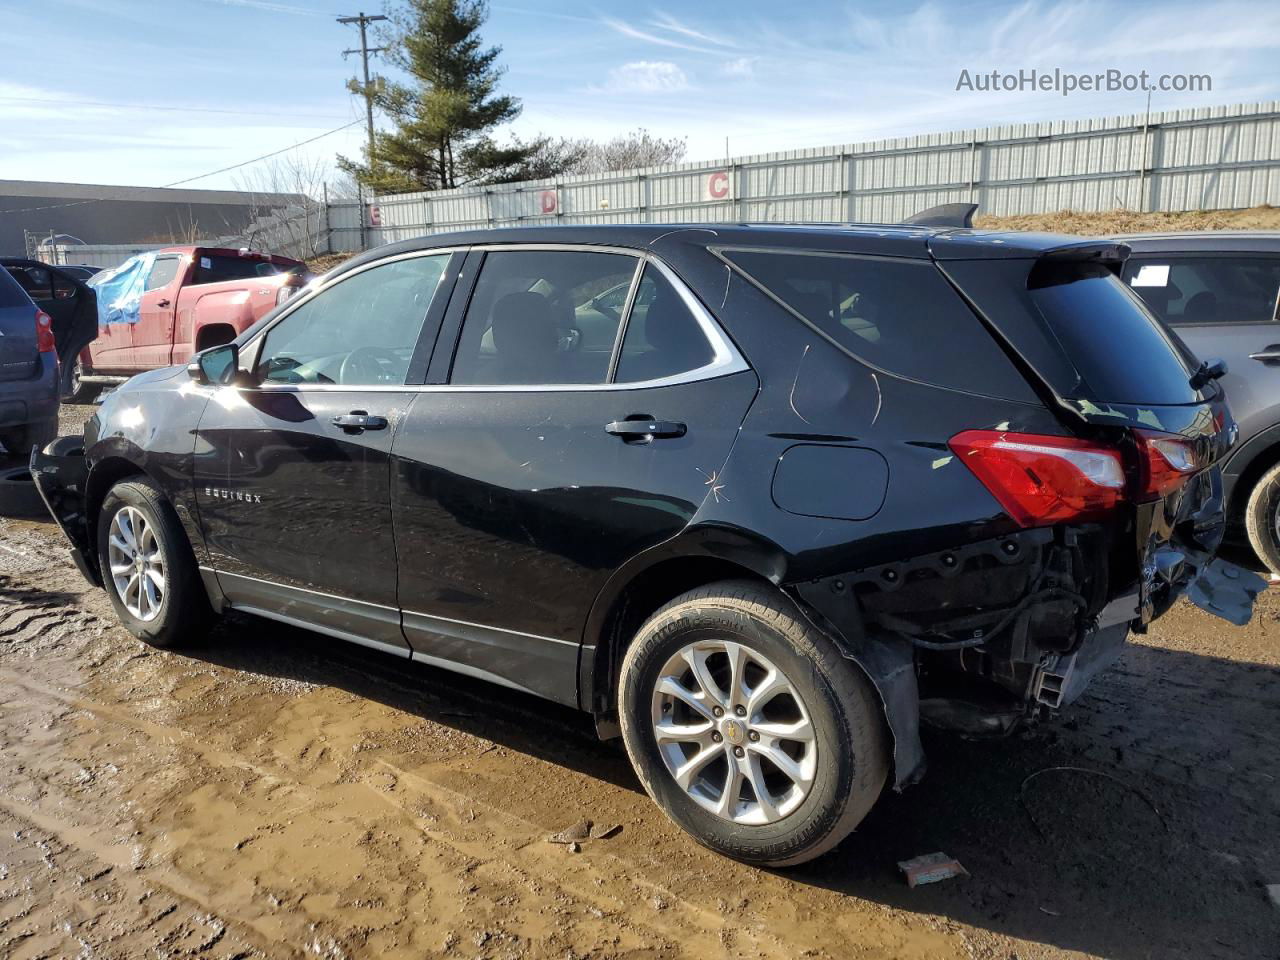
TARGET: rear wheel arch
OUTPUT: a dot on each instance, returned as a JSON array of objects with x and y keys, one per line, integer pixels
[
  {"x": 213, "y": 335},
  {"x": 632, "y": 595}
]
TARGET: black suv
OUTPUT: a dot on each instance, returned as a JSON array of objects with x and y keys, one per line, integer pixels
[{"x": 757, "y": 497}]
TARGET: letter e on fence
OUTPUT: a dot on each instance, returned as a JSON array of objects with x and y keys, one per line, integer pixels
[
  {"x": 717, "y": 186},
  {"x": 548, "y": 202},
  {"x": 375, "y": 215}
]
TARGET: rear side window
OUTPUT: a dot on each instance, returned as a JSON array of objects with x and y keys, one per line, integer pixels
[
  {"x": 898, "y": 315},
  {"x": 1201, "y": 290},
  {"x": 216, "y": 268},
  {"x": 1118, "y": 347},
  {"x": 11, "y": 292},
  {"x": 663, "y": 338},
  {"x": 538, "y": 317}
]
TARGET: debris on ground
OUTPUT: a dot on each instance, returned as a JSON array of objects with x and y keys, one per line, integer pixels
[
  {"x": 572, "y": 835},
  {"x": 605, "y": 832},
  {"x": 930, "y": 868}
]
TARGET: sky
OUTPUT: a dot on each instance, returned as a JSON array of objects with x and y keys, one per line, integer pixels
[{"x": 145, "y": 93}]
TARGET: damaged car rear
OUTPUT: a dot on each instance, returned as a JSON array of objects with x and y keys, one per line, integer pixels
[{"x": 781, "y": 495}]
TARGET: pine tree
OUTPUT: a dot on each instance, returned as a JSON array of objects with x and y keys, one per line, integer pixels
[{"x": 444, "y": 116}]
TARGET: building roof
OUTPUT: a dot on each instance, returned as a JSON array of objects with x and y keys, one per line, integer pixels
[{"x": 47, "y": 190}]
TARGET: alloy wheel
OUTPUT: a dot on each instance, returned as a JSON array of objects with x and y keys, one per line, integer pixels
[
  {"x": 137, "y": 563},
  {"x": 733, "y": 732}
]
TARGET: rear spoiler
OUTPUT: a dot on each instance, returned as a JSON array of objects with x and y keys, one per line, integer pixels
[
  {"x": 945, "y": 215},
  {"x": 1110, "y": 253}
]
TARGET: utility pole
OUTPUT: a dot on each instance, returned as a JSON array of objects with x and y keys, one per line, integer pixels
[{"x": 365, "y": 89}]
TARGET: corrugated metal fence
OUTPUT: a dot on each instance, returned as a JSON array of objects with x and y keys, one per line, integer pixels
[{"x": 1205, "y": 158}]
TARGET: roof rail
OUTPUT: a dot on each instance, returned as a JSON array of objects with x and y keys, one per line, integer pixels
[{"x": 945, "y": 215}]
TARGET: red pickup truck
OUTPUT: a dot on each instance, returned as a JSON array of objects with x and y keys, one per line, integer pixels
[{"x": 179, "y": 301}]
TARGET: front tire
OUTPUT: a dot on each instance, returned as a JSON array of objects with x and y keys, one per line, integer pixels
[
  {"x": 147, "y": 566},
  {"x": 748, "y": 728}
]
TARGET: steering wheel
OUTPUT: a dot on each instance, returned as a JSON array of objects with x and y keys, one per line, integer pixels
[{"x": 363, "y": 365}]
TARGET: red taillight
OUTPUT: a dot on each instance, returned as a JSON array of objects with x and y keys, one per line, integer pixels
[
  {"x": 1166, "y": 462},
  {"x": 44, "y": 333},
  {"x": 1042, "y": 480}
]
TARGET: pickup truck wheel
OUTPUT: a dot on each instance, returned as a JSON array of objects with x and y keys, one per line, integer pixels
[
  {"x": 147, "y": 566},
  {"x": 1262, "y": 519},
  {"x": 75, "y": 391},
  {"x": 19, "y": 496},
  {"x": 748, "y": 728}
]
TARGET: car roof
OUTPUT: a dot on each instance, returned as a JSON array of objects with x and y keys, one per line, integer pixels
[
  {"x": 1207, "y": 241},
  {"x": 902, "y": 240}
]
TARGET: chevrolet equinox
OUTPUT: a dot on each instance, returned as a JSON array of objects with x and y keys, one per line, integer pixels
[{"x": 761, "y": 498}]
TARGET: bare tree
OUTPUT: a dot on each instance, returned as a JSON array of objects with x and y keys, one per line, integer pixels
[
  {"x": 551, "y": 156},
  {"x": 287, "y": 212},
  {"x": 638, "y": 148}
]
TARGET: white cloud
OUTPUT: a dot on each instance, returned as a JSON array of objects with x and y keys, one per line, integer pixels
[
  {"x": 647, "y": 76},
  {"x": 739, "y": 67}
]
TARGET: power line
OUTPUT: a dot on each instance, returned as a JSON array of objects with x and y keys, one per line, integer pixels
[
  {"x": 155, "y": 106},
  {"x": 202, "y": 176}
]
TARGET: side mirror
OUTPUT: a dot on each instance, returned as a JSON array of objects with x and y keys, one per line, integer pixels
[
  {"x": 216, "y": 366},
  {"x": 1212, "y": 369}
]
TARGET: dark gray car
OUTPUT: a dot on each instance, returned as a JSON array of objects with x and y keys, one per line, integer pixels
[
  {"x": 28, "y": 371},
  {"x": 1220, "y": 291}
]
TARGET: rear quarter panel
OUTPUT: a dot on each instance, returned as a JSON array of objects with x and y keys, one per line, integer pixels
[{"x": 815, "y": 395}]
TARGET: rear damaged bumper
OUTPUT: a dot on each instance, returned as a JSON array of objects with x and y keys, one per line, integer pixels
[
  {"x": 61, "y": 481},
  {"x": 985, "y": 636}
]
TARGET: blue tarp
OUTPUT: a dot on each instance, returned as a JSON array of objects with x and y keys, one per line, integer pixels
[{"x": 120, "y": 290}]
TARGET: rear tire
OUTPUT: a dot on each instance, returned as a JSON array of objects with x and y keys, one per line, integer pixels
[
  {"x": 1262, "y": 519},
  {"x": 812, "y": 800},
  {"x": 148, "y": 569},
  {"x": 19, "y": 441},
  {"x": 19, "y": 496}
]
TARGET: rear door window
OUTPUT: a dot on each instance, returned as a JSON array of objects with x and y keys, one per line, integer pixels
[
  {"x": 663, "y": 338},
  {"x": 900, "y": 316},
  {"x": 1204, "y": 290},
  {"x": 538, "y": 317}
]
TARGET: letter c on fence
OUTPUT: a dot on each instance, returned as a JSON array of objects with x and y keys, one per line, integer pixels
[
  {"x": 718, "y": 185},
  {"x": 548, "y": 201}
]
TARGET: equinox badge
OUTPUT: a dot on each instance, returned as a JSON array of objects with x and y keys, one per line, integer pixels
[{"x": 222, "y": 494}]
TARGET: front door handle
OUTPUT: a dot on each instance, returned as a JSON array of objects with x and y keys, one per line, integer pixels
[
  {"x": 162, "y": 303},
  {"x": 357, "y": 421},
  {"x": 645, "y": 429},
  {"x": 1268, "y": 354}
]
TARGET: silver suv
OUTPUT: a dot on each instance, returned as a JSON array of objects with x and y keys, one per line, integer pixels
[{"x": 1220, "y": 291}]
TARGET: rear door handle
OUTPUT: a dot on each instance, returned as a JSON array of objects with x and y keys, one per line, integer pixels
[
  {"x": 1268, "y": 354},
  {"x": 358, "y": 421},
  {"x": 640, "y": 429},
  {"x": 162, "y": 303}
]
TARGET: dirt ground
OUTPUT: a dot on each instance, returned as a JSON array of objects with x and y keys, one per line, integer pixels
[{"x": 272, "y": 793}]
